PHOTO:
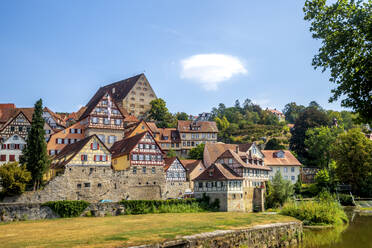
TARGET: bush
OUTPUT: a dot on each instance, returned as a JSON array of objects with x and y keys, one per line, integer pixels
[
  {"x": 169, "y": 206},
  {"x": 346, "y": 200},
  {"x": 278, "y": 191},
  {"x": 67, "y": 208},
  {"x": 13, "y": 178},
  {"x": 323, "y": 211}
]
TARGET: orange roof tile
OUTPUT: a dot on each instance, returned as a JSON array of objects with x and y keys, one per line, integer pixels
[{"x": 271, "y": 159}]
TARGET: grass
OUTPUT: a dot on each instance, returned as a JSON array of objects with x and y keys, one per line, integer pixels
[
  {"x": 322, "y": 212},
  {"x": 124, "y": 230}
]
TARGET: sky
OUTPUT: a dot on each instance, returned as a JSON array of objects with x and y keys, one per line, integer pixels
[{"x": 195, "y": 54}]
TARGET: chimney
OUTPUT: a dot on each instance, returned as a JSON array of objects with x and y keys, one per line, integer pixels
[{"x": 237, "y": 149}]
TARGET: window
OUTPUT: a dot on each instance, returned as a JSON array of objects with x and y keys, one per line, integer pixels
[
  {"x": 79, "y": 185},
  {"x": 84, "y": 157},
  {"x": 144, "y": 170},
  {"x": 117, "y": 122},
  {"x": 230, "y": 161},
  {"x": 135, "y": 157},
  {"x": 12, "y": 129},
  {"x": 11, "y": 157},
  {"x": 104, "y": 102},
  {"x": 2, "y": 157},
  {"x": 140, "y": 157},
  {"x": 292, "y": 178},
  {"x": 15, "y": 137},
  {"x": 184, "y": 136},
  {"x": 28, "y": 129},
  {"x": 20, "y": 128},
  {"x": 140, "y": 146},
  {"x": 147, "y": 146},
  {"x": 134, "y": 170},
  {"x": 94, "y": 145},
  {"x": 99, "y": 185},
  {"x": 94, "y": 120},
  {"x": 153, "y": 170},
  {"x": 292, "y": 169},
  {"x": 111, "y": 139},
  {"x": 115, "y": 111},
  {"x": 106, "y": 121},
  {"x": 86, "y": 185},
  {"x": 285, "y": 169},
  {"x": 147, "y": 157}
]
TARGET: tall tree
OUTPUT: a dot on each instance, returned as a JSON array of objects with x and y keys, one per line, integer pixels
[
  {"x": 344, "y": 27},
  {"x": 35, "y": 153},
  {"x": 182, "y": 116},
  {"x": 309, "y": 118},
  {"x": 159, "y": 112},
  {"x": 352, "y": 152},
  {"x": 292, "y": 111},
  {"x": 319, "y": 141},
  {"x": 274, "y": 144}
]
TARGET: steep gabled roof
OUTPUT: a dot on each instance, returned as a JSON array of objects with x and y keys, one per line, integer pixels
[
  {"x": 231, "y": 154},
  {"x": 190, "y": 164},
  {"x": 57, "y": 118},
  {"x": 169, "y": 161},
  {"x": 71, "y": 150},
  {"x": 95, "y": 100},
  {"x": 126, "y": 145},
  {"x": 213, "y": 150},
  {"x": 27, "y": 112},
  {"x": 218, "y": 172},
  {"x": 122, "y": 89}
]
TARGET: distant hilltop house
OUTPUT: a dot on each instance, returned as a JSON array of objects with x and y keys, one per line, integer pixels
[{"x": 277, "y": 113}]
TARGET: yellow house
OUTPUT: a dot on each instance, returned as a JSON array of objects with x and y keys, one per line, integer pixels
[{"x": 88, "y": 152}]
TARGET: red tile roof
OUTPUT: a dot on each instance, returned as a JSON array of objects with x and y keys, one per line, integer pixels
[
  {"x": 272, "y": 160},
  {"x": 204, "y": 126},
  {"x": 231, "y": 154},
  {"x": 126, "y": 145},
  {"x": 218, "y": 172},
  {"x": 191, "y": 164}
]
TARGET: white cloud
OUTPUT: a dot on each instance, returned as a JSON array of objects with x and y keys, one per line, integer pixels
[{"x": 211, "y": 69}]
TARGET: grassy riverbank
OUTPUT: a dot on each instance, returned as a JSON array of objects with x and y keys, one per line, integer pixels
[{"x": 124, "y": 230}]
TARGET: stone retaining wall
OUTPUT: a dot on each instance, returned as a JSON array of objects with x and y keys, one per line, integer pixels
[
  {"x": 35, "y": 211},
  {"x": 261, "y": 236}
]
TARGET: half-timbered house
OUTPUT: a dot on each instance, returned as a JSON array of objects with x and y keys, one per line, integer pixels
[
  {"x": 176, "y": 177},
  {"x": 104, "y": 118}
]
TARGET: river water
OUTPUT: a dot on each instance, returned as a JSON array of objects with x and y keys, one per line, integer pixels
[{"x": 357, "y": 234}]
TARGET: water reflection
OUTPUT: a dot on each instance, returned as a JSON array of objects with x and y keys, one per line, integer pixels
[{"x": 357, "y": 234}]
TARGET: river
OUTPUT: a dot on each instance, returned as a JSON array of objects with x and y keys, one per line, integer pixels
[{"x": 357, "y": 234}]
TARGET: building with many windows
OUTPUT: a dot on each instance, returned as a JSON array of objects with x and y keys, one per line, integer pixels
[
  {"x": 104, "y": 118},
  {"x": 282, "y": 161},
  {"x": 133, "y": 94},
  {"x": 193, "y": 133}
]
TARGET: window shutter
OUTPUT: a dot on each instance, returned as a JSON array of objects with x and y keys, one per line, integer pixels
[
  {"x": 97, "y": 146},
  {"x": 95, "y": 159},
  {"x": 101, "y": 159},
  {"x": 82, "y": 157},
  {"x": 91, "y": 146}
]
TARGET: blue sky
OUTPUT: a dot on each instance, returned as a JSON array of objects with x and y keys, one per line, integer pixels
[{"x": 195, "y": 54}]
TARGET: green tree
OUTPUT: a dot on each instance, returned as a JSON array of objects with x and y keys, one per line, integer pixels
[
  {"x": 309, "y": 118},
  {"x": 182, "y": 116},
  {"x": 160, "y": 114},
  {"x": 197, "y": 152},
  {"x": 171, "y": 153},
  {"x": 298, "y": 185},
  {"x": 13, "y": 178},
  {"x": 292, "y": 111},
  {"x": 278, "y": 191},
  {"x": 35, "y": 155},
  {"x": 222, "y": 123},
  {"x": 352, "y": 152},
  {"x": 323, "y": 180},
  {"x": 274, "y": 144},
  {"x": 319, "y": 141},
  {"x": 344, "y": 29}
]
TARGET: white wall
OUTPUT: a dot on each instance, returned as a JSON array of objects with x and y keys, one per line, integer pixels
[{"x": 286, "y": 172}]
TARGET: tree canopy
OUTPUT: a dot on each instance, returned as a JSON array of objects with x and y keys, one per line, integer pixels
[
  {"x": 13, "y": 178},
  {"x": 197, "y": 152},
  {"x": 274, "y": 144},
  {"x": 352, "y": 152},
  {"x": 35, "y": 155},
  {"x": 309, "y": 118},
  {"x": 344, "y": 28}
]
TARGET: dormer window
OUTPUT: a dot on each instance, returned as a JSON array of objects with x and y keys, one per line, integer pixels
[
  {"x": 104, "y": 102},
  {"x": 280, "y": 154}
]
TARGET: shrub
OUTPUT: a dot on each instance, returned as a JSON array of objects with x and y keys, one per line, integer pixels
[
  {"x": 169, "y": 206},
  {"x": 278, "y": 191},
  {"x": 67, "y": 208},
  {"x": 13, "y": 178},
  {"x": 346, "y": 200},
  {"x": 323, "y": 211}
]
